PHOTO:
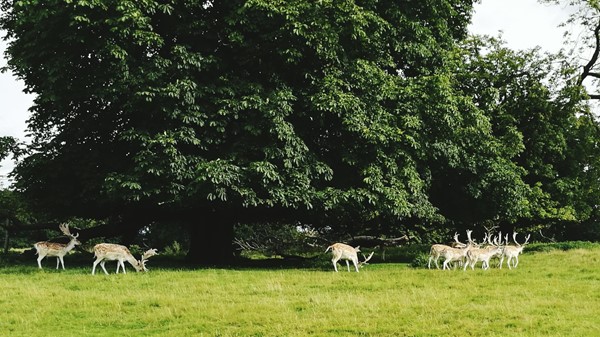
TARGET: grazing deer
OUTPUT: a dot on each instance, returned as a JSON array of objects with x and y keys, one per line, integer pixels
[
  {"x": 113, "y": 252},
  {"x": 512, "y": 252},
  {"x": 45, "y": 248},
  {"x": 342, "y": 251}
]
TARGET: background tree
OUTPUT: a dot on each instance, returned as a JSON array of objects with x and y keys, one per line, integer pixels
[{"x": 547, "y": 128}]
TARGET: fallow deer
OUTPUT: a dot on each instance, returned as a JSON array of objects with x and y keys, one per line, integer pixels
[
  {"x": 512, "y": 252},
  {"x": 342, "y": 251},
  {"x": 112, "y": 252},
  {"x": 437, "y": 250},
  {"x": 45, "y": 248}
]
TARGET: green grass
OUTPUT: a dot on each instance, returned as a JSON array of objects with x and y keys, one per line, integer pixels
[{"x": 551, "y": 293}]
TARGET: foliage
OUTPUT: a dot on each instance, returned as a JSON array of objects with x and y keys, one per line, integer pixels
[
  {"x": 7, "y": 146},
  {"x": 361, "y": 116},
  {"x": 274, "y": 239}
]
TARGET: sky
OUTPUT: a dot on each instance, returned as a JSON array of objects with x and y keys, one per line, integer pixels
[{"x": 524, "y": 24}]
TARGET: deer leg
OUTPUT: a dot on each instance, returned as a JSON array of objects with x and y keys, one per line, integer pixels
[
  {"x": 355, "y": 265},
  {"x": 334, "y": 264},
  {"x": 94, "y": 266},
  {"x": 445, "y": 264},
  {"x": 103, "y": 267},
  {"x": 123, "y": 266},
  {"x": 118, "y": 266},
  {"x": 39, "y": 260},
  {"x": 516, "y": 261}
]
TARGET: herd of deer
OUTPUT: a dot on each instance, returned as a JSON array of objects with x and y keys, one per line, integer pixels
[
  {"x": 102, "y": 252},
  {"x": 467, "y": 254}
]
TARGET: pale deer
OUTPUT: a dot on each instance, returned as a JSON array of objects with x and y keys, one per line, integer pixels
[
  {"x": 484, "y": 254},
  {"x": 342, "y": 251},
  {"x": 112, "y": 252},
  {"x": 512, "y": 252},
  {"x": 45, "y": 248},
  {"x": 437, "y": 250}
]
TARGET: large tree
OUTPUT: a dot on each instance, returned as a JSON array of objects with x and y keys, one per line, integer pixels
[{"x": 207, "y": 113}]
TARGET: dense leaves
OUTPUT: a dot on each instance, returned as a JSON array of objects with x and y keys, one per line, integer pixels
[{"x": 361, "y": 116}]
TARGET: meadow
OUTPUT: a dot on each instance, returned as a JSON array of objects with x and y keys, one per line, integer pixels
[{"x": 551, "y": 293}]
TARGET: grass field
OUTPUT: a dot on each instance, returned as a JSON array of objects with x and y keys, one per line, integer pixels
[{"x": 554, "y": 293}]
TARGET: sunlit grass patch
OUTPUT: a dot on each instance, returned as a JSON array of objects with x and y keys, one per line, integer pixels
[{"x": 551, "y": 293}]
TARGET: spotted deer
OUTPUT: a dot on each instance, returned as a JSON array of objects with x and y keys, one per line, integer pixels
[
  {"x": 343, "y": 251},
  {"x": 112, "y": 252},
  {"x": 45, "y": 248}
]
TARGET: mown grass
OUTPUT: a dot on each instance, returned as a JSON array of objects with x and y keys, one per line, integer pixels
[{"x": 551, "y": 293}]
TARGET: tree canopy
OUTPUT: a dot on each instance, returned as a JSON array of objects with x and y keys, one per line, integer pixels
[{"x": 357, "y": 115}]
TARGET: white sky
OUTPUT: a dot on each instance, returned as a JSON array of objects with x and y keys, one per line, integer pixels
[{"x": 524, "y": 24}]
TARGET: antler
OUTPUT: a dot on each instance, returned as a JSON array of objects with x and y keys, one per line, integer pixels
[
  {"x": 65, "y": 229},
  {"x": 469, "y": 232},
  {"x": 515, "y": 238},
  {"x": 521, "y": 244},
  {"x": 458, "y": 243},
  {"x": 366, "y": 258},
  {"x": 526, "y": 239},
  {"x": 149, "y": 253}
]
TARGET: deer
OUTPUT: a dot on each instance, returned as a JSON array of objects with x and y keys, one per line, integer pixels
[
  {"x": 484, "y": 254},
  {"x": 112, "y": 252},
  {"x": 46, "y": 248},
  {"x": 459, "y": 253},
  {"x": 512, "y": 252},
  {"x": 343, "y": 251},
  {"x": 437, "y": 250}
]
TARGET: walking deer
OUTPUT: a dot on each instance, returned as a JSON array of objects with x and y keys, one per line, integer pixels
[
  {"x": 113, "y": 252},
  {"x": 45, "y": 248},
  {"x": 342, "y": 251},
  {"x": 512, "y": 252},
  {"x": 437, "y": 251}
]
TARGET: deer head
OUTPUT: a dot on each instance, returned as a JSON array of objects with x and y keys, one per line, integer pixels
[
  {"x": 365, "y": 262},
  {"x": 147, "y": 254},
  {"x": 64, "y": 228}
]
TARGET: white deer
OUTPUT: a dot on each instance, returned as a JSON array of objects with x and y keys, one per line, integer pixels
[
  {"x": 113, "y": 252},
  {"x": 342, "y": 251},
  {"x": 437, "y": 250},
  {"x": 484, "y": 254},
  {"x": 45, "y": 248},
  {"x": 512, "y": 252}
]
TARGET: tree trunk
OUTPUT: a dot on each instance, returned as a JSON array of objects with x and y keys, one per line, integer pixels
[{"x": 211, "y": 238}]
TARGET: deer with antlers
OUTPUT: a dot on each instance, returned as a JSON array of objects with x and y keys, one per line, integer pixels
[
  {"x": 113, "y": 252},
  {"x": 45, "y": 248},
  {"x": 485, "y": 254},
  {"x": 437, "y": 250},
  {"x": 512, "y": 252},
  {"x": 342, "y": 251}
]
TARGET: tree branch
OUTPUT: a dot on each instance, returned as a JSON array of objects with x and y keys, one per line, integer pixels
[{"x": 587, "y": 69}]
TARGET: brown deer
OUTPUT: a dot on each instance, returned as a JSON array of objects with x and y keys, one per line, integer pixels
[{"x": 45, "y": 248}]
